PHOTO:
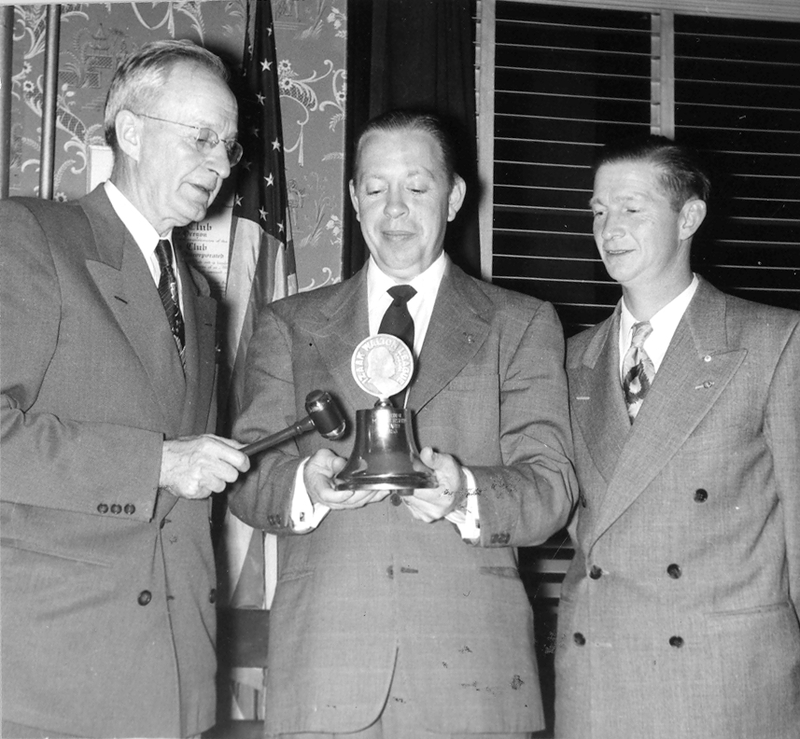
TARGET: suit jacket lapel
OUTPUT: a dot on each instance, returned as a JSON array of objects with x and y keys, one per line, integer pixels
[
  {"x": 696, "y": 369},
  {"x": 124, "y": 280},
  {"x": 596, "y": 398},
  {"x": 342, "y": 324},
  {"x": 458, "y": 328}
]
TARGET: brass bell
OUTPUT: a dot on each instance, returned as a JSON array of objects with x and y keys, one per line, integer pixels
[{"x": 384, "y": 455}]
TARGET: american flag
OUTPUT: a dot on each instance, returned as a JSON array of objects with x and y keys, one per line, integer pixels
[{"x": 261, "y": 269}]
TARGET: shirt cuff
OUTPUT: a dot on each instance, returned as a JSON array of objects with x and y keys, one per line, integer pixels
[
  {"x": 467, "y": 518},
  {"x": 305, "y": 515}
]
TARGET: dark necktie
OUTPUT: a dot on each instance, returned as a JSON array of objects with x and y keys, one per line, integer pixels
[
  {"x": 638, "y": 370},
  {"x": 168, "y": 291},
  {"x": 398, "y": 322}
]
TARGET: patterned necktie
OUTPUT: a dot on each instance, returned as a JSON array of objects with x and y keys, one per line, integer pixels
[
  {"x": 398, "y": 322},
  {"x": 637, "y": 369},
  {"x": 168, "y": 291}
]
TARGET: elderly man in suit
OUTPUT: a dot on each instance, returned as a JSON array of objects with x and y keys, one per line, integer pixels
[
  {"x": 395, "y": 616},
  {"x": 108, "y": 373},
  {"x": 678, "y": 617}
]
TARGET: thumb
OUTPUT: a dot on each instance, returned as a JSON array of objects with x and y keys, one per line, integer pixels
[{"x": 429, "y": 457}]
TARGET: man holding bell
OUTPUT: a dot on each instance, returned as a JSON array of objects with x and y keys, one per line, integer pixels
[{"x": 401, "y": 613}]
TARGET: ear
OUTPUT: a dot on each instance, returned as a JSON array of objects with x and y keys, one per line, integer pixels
[
  {"x": 129, "y": 133},
  {"x": 692, "y": 214},
  {"x": 354, "y": 200},
  {"x": 456, "y": 198}
]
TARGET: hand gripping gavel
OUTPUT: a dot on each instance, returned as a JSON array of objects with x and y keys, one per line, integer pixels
[{"x": 323, "y": 415}]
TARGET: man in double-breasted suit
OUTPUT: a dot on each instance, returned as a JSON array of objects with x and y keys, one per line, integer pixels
[
  {"x": 395, "y": 616},
  {"x": 107, "y": 570},
  {"x": 679, "y": 613}
]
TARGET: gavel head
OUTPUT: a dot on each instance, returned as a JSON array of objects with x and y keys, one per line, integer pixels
[{"x": 325, "y": 414}]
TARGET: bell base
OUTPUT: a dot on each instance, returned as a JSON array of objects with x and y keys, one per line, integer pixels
[{"x": 410, "y": 481}]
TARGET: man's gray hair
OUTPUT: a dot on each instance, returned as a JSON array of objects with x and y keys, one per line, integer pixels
[{"x": 138, "y": 81}]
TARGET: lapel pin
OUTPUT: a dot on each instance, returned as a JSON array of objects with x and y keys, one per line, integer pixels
[{"x": 707, "y": 384}]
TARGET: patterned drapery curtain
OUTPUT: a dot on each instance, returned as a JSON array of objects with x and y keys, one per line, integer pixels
[{"x": 415, "y": 54}]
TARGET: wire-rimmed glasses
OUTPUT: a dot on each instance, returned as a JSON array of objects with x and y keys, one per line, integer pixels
[{"x": 205, "y": 139}]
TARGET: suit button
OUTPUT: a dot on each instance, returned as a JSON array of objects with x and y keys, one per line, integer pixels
[
  {"x": 700, "y": 495},
  {"x": 396, "y": 499},
  {"x": 145, "y": 597},
  {"x": 130, "y": 509},
  {"x": 676, "y": 641},
  {"x": 116, "y": 508},
  {"x": 212, "y": 596},
  {"x": 102, "y": 508},
  {"x": 674, "y": 571},
  {"x": 579, "y": 638},
  {"x": 595, "y": 573}
]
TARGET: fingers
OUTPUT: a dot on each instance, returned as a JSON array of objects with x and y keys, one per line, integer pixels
[
  {"x": 422, "y": 510},
  {"x": 318, "y": 476},
  {"x": 196, "y": 467}
]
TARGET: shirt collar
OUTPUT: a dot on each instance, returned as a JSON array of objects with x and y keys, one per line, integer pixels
[
  {"x": 139, "y": 227},
  {"x": 664, "y": 324},
  {"x": 426, "y": 283},
  {"x": 665, "y": 320},
  {"x": 420, "y": 307}
]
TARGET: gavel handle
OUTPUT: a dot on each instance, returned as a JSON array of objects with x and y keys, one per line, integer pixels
[{"x": 301, "y": 427}]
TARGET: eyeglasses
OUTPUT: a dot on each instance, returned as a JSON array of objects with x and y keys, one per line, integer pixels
[{"x": 206, "y": 139}]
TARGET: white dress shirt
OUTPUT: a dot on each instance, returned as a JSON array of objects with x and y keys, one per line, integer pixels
[{"x": 664, "y": 324}]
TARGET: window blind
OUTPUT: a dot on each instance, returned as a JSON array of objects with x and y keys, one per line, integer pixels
[
  {"x": 737, "y": 97},
  {"x": 566, "y": 81}
]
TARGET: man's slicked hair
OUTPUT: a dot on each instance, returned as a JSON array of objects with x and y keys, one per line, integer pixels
[
  {"x": 682, "y": 175},
  {"x": 411, "y": 120},
  {"x": 138, "y": 81}
]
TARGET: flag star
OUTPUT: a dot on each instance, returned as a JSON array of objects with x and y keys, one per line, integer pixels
[
  {"x": 238, "y": 200},
  {"x": 247, "y": 164},
  {"x": 262, "y": 213},
  {"x": 266, "y": 66},
  {"x": 260, "y": 98},
  {"x": 276, "y": 145},
  {"x": 270, "y": 180},
  {"x": 280, "y": 226},
  {"x": 254, "y": 131}
]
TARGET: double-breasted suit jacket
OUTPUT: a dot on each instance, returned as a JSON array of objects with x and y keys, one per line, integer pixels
[
  {"x": 678, "y": 616},
  {"x": 107, "y": 583},
  {"x": 373, "y": 583}
]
